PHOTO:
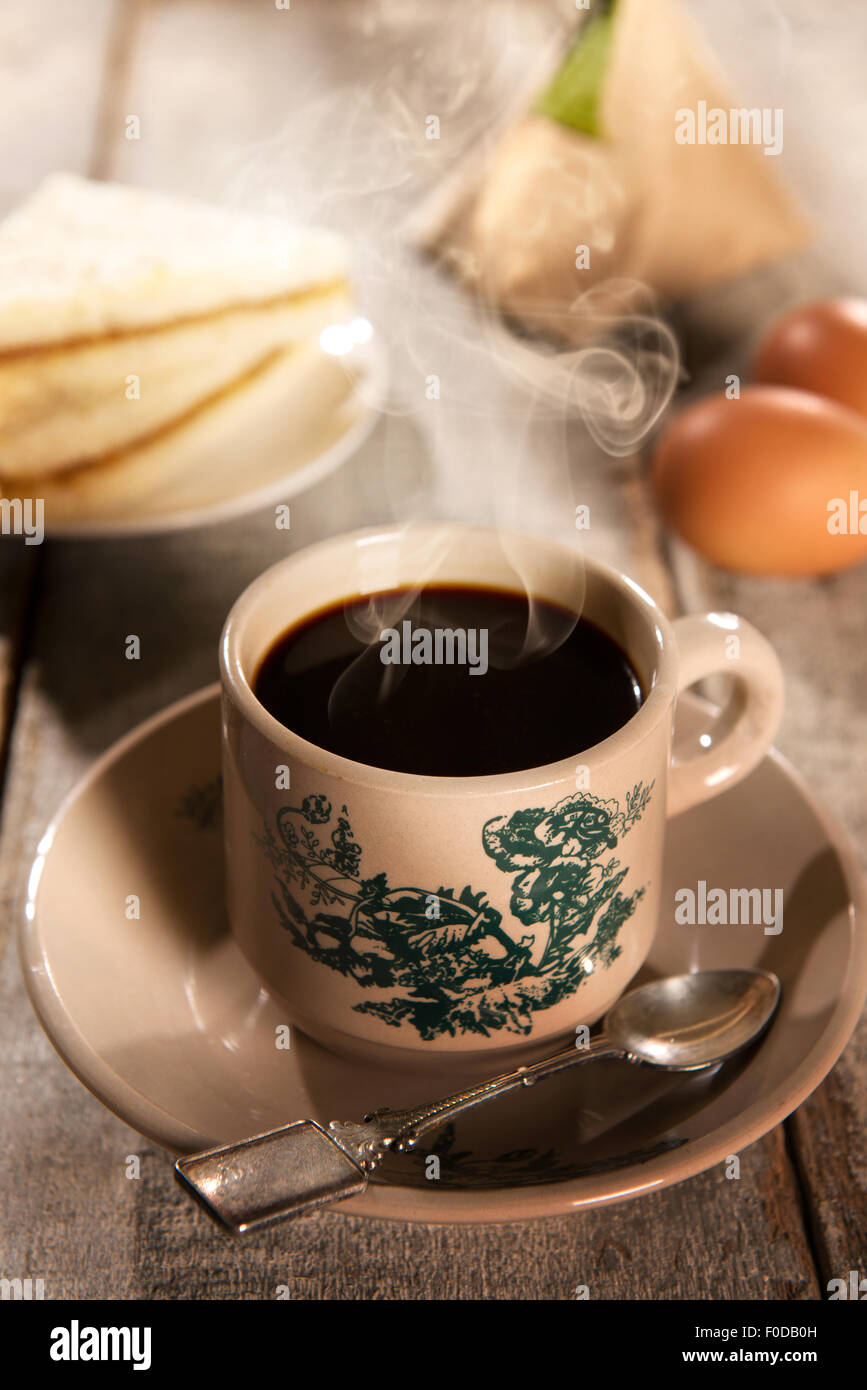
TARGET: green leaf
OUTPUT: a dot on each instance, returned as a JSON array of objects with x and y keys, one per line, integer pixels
[{"x": 574, "y": 96}]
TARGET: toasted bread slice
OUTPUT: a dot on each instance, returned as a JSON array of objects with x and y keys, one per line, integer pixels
[
  {"x": 81, "y": 260},
  {"x": 123, "y": 310},
  {"x": 67, "y": 406},
  {"x": 289, "y": 407}
]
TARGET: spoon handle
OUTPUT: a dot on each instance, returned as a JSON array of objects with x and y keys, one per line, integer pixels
[
  {"x": 303, "y": 1166},
  {"x": 400, "y": 1130}
]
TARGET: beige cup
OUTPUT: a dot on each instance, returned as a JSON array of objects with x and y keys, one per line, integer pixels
[{"x": 408, "y": 918}]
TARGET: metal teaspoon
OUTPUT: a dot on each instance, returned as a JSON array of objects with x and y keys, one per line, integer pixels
[{"x": 681, "y": 1023}]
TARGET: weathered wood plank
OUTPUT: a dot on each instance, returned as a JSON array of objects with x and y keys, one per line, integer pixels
[
  {"x": 92, "y": 1232},
  {"x": 701, "y": 1246},
  {"x": 18, "y": 565},
  {"x": 53, "y": 71},
  {"x": 817, "y": 627},
  {"x": 50, "y": 92}
]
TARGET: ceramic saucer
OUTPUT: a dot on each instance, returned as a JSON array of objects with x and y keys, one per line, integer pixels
[{"x": 163, "y": 1020}]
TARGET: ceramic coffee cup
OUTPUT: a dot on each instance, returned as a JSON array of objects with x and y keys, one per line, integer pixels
[{"x": 411, "y": 918}]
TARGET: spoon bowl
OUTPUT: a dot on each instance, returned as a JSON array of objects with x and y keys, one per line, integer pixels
[{"x": 685, "y": 1022}]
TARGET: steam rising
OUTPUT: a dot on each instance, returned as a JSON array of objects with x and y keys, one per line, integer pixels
[
  {"x": 620, "y": 384},
  {"x": 513, "y": 426}
]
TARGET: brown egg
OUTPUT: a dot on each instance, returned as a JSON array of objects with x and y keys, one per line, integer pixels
[
  {"x": 820, "y": 347},
  {"x": 772, "y": 483}
]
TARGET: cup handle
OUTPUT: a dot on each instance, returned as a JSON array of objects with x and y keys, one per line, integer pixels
[{"x": 738, "y": 737}]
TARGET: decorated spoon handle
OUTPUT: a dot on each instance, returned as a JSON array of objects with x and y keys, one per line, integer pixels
[
  {"x": 303, "y": 1166},
  {"x": 399, "y": 1130}
]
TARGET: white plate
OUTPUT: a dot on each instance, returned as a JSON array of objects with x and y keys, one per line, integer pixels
[{"x": 162, "y": 1018}]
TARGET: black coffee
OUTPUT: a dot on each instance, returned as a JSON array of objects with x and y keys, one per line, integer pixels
[{"x": 449, "y": 681}]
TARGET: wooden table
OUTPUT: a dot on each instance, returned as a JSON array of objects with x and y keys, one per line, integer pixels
[{"x": 322, "y": 107}]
